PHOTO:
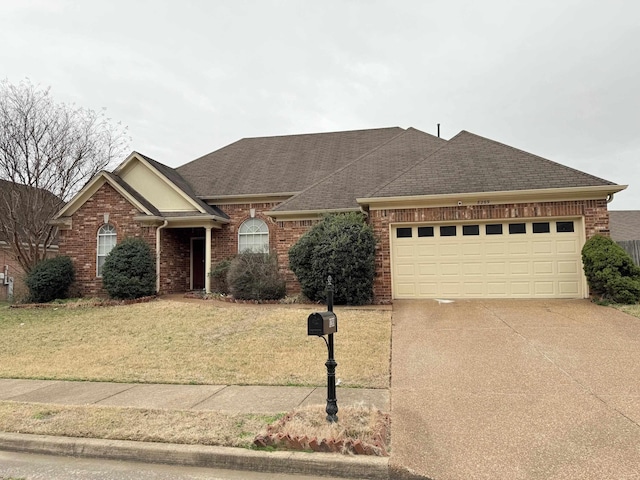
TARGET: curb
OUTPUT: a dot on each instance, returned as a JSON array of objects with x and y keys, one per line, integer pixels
[{"x": 318, "y": 464}]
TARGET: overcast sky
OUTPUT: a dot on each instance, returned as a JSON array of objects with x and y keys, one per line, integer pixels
[{"x": 558, "y": 78}]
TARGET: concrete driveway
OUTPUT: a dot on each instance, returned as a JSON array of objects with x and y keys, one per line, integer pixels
[{"x": 515, "y": 389}]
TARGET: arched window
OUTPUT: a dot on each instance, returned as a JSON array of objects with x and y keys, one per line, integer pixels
[
  {"x": 253, "y": 236},
  {"x": 106, "y": 241}
]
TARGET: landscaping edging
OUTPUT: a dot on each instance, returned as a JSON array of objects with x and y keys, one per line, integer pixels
[{"x": 93, "y": 303}]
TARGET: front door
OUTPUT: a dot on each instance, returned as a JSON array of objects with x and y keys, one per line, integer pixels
[{"x": 197, "y": 264}]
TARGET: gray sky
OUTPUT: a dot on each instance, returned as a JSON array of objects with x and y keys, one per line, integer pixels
[{"x": 558, "y": 78}]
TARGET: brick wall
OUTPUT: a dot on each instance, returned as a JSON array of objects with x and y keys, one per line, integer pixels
[
  {"x": 80, "y": 243},
  {"x": 20, "y": 290},
  {"x": 175, "y": 258},
  {"x": 282, "y": 235},
  {"x": 595, "y": 213}
]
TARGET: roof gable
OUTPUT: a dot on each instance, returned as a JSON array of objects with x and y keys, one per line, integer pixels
[
  {"x": 365, "y": 174},
  {"x": 470, "y": 163},
  {"x": 278, "y": 165}
]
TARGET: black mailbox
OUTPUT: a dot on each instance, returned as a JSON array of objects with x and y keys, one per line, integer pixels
[{"x": 322, "y": 323}]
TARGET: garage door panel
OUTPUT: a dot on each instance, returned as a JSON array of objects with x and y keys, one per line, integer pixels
[
  {"x": 449, "y": 250},
  {"x": 569, "y": 288},
  {"x": 451, "y": 289},
  {"x": 472, "y": 250},
  {"x": 427, "y": 251},
  {"x": 427, "y": 269},
  {"x": 519, "y": 248},
  {"x": 495, "y": 249},
  {"x": 543, "y": 268},
  {"x": 519, "y": 268},
  {"x": 545, "y": 289},
  {"x": 406, "y": 270},
  {"x": 404, "y": 251},
  {"x": 497, "y": 289},
  {"x": 520, "y": 265},
  {"x": 474, "y": 269},
  {"x": 496, "y": 268},
  {"x": 543, "y": 247},
  {"x": 450, "y": 269},
  {"x": 570, "y": 247},
  {"x": 520, "y": 289}
]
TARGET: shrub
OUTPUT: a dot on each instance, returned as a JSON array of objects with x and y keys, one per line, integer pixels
[
  {"x": 129, "y": 270},
  {"x": 219, "y": 277},
  {"x": 610, "y": 271},
  {"x": 255, "y": 276},
  {"x": 50, "y": 279},
  {"x": 340, "y": 245}
]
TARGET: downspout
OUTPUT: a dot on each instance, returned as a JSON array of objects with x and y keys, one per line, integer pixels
[
  {"x": 166, "y": 222},
  {"x": 610, "y": 198}
]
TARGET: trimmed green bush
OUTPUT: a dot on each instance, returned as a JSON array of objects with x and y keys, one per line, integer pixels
[
  {"x": 219, "y": 277},
  {"x": 340, "y": 245},
  {"x": 50, "y": 279},
  {"x": 610, "y": 271},
  {"x": 129, "y": 271},
  {"x": 255, "y": 276}
]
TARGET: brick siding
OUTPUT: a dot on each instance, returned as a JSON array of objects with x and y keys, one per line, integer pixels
[
  {"x": 80, "y": 243},
  {"x": 595, "y": 213},
  {"x": 175, "y": 267}
]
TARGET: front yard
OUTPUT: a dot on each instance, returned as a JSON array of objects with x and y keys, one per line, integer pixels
[{"x": 202, "y": 343}]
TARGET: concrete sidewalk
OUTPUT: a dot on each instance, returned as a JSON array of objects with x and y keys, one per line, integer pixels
[{"x": 222, "y": 398}]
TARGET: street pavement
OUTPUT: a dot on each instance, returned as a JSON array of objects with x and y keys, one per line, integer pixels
[
  {"x": 505, "y": 389},
  {"x": 47, "y": 467}
]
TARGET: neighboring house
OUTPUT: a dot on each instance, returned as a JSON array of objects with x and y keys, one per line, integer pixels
[
  {"x": 463, "y": 218},
  {"x": 12, "y": 274},
  {"x": 625, "y": 230},
  {"x": 624, "y": 225}
]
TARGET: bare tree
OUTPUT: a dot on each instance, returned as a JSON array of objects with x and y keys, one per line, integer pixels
[{"x": 48, "y": 151}]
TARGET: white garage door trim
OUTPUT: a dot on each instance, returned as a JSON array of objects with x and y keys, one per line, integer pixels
[{"x": 518, "y": 258}]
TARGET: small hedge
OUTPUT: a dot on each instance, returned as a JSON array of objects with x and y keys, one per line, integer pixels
[
  {"x": 610, "y": 271},
  {"x": 50, "y": 279},
  {"x": 255, "y": 276},
  {"x": 340, "y": 245},
  {"x": 129, "y": 270}
]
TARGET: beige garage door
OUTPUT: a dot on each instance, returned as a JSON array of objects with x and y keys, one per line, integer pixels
[{"x": 526, "y": 259}]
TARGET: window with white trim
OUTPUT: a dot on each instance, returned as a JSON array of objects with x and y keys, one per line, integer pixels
[
  {"x": 106, "y": 241},
  {"x": 253, "y": 236}
]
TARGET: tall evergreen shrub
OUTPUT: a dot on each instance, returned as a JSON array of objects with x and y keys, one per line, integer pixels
[
  {"x": 610, "y": 271},
  {"x": 129, "y": 270},
  {"x": 340, "y": 245},
  {"x": 50, "y": 279}
]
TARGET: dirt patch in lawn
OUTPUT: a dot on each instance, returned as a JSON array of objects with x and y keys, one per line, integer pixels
[{"x": 198, "y": 343}]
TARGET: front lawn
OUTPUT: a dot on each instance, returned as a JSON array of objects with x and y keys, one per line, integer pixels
[{"x": 202, "y": 343}]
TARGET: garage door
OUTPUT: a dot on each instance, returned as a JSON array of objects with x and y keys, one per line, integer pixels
[{"x": 525, "y": 259}]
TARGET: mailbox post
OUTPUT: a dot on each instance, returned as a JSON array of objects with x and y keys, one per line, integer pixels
[{"x": 326, "y": 323}]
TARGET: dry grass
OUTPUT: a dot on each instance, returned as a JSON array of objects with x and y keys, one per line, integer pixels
[
  {"x": 368, "y": 425},
  {"x": 201, "y": 343},
  {"x": 630, "y": 309},
  {"x": 187, "y": 427}
]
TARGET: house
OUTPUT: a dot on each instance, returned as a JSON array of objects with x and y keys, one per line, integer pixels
[
  {"x": 462, "y": 218},
  {"x": 625, "y": 231},
  {"x": 24, "y": 211}
]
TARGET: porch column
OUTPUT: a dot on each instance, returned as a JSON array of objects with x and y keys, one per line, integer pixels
[{"x": 207, "y": 259}]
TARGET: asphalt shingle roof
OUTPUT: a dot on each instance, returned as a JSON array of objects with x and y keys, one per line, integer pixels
[
  {"x": 624, "y": 225},
  {"x": 470, "y": 163},
  {"x": 365, "y": 174},
  {"x": 284, "y": 164}
]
